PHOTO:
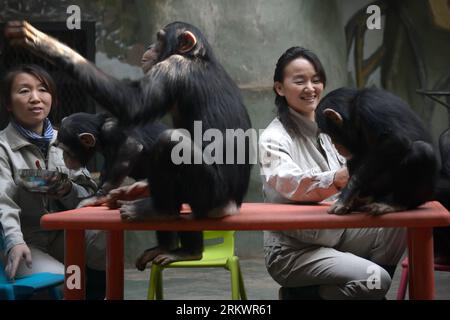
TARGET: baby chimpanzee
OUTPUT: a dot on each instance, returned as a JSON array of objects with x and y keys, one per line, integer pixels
[{"x": 391, "y": 160}]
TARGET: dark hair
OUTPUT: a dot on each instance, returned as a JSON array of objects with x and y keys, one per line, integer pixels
[
  {"x": 281, "y": 103},
  {"x": 35, "y": 70}
]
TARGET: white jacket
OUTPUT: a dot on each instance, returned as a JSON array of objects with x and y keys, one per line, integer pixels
[{"x": 298, "y": 170}]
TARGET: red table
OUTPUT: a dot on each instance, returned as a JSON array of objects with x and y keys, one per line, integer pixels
[{"x": 253, "y": 216}]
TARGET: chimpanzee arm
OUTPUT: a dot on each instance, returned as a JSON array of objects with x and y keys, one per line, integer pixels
[
  {"x": 123, "y": 101},
  {"x": 105, "y": 89},
  {"x": 113, "y": 174},
  {"x": 388, "y": 151},
  {"x": 160, "y": 87},
  {"x": 121, "y": 167}
]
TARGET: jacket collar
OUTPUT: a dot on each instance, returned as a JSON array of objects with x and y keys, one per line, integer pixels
[{"x": 16, "y": 141}]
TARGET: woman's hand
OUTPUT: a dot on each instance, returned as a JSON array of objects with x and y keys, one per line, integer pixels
[
  {"x": 60, "y": 189},
  {"x": 15, "y": 255},
  {"x": 341, "y": 178}
]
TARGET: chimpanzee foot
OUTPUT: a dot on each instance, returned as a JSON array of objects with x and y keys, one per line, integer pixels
[
  {"x": 176, "y": 255},
  {"x": 148, "y": 256},
  {"x": 141, "y": 210},
  {"x": 228, "y": 210},
  {"x": 137, "y": 210},
  {"x": 379, "y": 208}
]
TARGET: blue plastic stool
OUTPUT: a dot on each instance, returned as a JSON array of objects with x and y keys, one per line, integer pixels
[{"x": 25, "y": 287}]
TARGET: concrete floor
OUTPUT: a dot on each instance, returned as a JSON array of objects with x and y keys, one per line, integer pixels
[{"x": 214, "y": 283}]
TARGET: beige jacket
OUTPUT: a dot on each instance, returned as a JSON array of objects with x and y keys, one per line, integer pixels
[
  {"x": 298, "y": 170},
  {"x": 20, "y": 210}
]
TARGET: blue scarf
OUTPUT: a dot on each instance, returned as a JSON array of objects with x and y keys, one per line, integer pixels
[{"x": 42, "y": 142}]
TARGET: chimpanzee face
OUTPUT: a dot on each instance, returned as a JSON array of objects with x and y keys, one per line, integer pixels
[
  {"x": 80, "y": 153},
  {"x": 343, "y": 151},
  {"x": 174, "y": 39},
  {"x": 152, "y": 55},
  {"x": 71, "y": 161}
]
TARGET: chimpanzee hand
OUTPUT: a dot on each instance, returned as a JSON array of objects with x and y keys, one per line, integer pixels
[
  {"x": 349, "y": 195},
  {"x": 379, "y": 208},
  {"x": 92, "y": 202},
  {"x": 132, "y": 192},
  {"x": 339, "y": 208},
  {"x": 23, "y": 34}
]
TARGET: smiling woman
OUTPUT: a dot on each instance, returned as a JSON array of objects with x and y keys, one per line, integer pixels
[
  {"x": 299, "y": 164},
  {"x": 28, "y": 95},
  {"x": 301, "y": 86}
]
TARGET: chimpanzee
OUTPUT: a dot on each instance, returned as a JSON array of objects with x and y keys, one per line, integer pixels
[
  {"x": 442, "y": 234},
  {"x": 183, "y": 77},
  {"x": 391, "y": 160},
  {"x": 126, "y": 151},
  {"x": 443, "y": 185}
]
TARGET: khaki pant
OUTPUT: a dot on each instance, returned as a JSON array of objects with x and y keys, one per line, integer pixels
[{"x": 349, "y": 270}]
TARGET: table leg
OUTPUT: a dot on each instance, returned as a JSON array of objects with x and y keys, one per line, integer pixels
[
  {"x": 74, "y": 260},
  {"x": 421, "y": 263},
  {"x": 114, "y": 267},
  {"x": 410, "y": 267}
]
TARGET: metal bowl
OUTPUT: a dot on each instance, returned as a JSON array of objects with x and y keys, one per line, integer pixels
[{"x": 37, "y": 180}]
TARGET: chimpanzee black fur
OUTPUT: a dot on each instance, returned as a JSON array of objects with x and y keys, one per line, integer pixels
[
  {"x": 392, "y": 163},
  {"x": 442, "y": 234},
  {"x": 126, "y": 151},
  {"x": 182, "y": 77}
]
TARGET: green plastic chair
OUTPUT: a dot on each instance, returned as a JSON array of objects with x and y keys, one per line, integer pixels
[{"x": 214, "y": 255}]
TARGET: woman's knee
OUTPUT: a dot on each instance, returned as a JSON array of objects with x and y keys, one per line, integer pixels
[
  {"x": 378, "y": 283},
  {"x": 371, "y": 286},
  {"x": 274, "y": 266},
  {"x": 42, "y": 262}
]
